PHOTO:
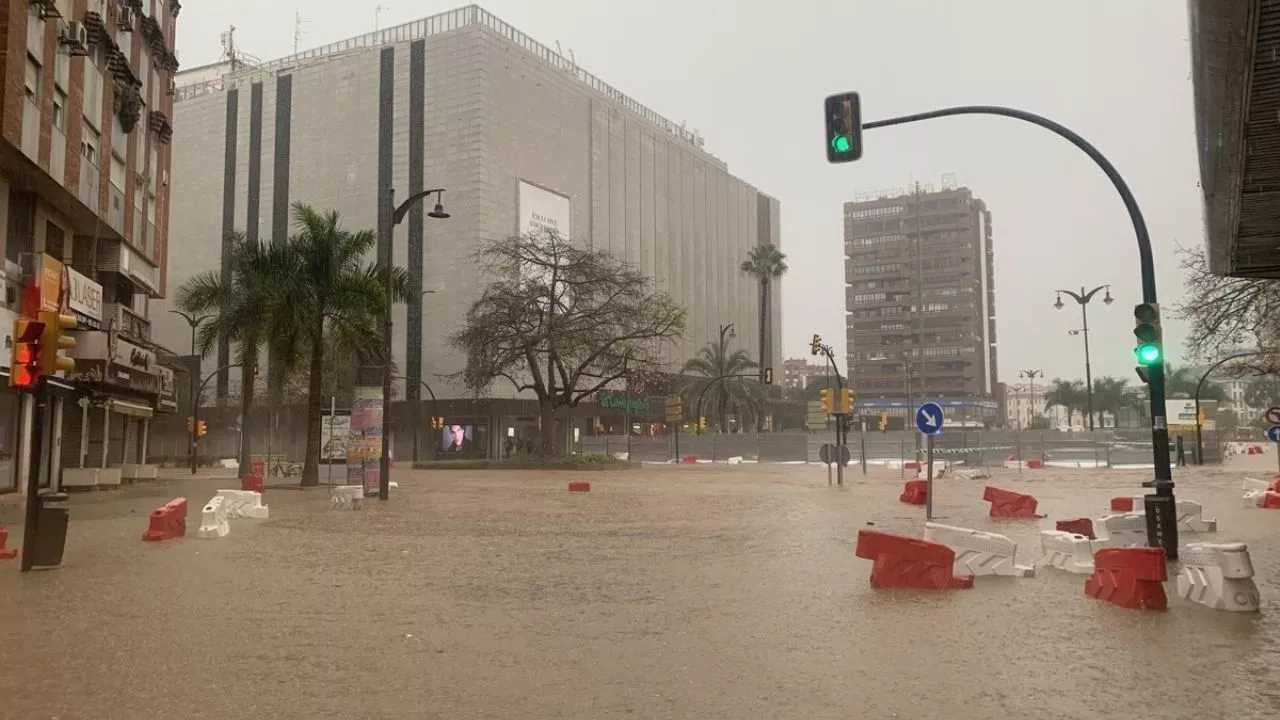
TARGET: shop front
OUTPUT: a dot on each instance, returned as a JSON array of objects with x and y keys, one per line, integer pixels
[{"x": 107, "y": 440}]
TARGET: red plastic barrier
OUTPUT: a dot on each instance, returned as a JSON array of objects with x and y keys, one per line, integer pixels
[
  {"x": 1274, "y": 485},
  {"x": 916, "y": 492},
  {"x": 1077, "y": 526},
  {"x": 1122, "y": 504},
  {"x": 1006, "y": 503},
  {"x": 1035, "y": 464},
  {"x": 689, "y": 459},
  {"x": 911, "y": 465},
  {"x": 168, "y": 522},
  {"x": 579, "y": 486},
  {"x": 252, "y": 482},
  {"x": 1271, "y": 500},
  {"x": 4, "y": 538},
  {"x": 1129, "y": 577},
  {"x": 903, "y": 562}
]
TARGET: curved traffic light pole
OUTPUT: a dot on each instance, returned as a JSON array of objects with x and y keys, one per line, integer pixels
[
  {"x": 1160, "y": 532},
  {"x": 1200, "y": 386}
]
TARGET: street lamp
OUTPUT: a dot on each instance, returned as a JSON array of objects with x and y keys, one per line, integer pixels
[
  {"x": 194, "y": 321},
  {"x": 727, "y": 329},
  {"x": 1083, "y": 299},
  {"x": 392, "y": 217},
  {"x": 1032, "y": 375}
]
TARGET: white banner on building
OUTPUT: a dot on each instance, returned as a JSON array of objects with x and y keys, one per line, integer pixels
[
  {"x": 84, "y": 299},
  {"x": 538, "y": 208}
]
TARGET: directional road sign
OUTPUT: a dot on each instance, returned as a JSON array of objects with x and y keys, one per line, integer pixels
[
  {"x": 829, "y": 452},
  {"x": 1273, "y": 415},
  {"x": 929, "y": 418},
  {"x": 1273, "y": 433}
]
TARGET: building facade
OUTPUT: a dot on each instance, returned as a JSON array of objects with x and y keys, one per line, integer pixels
[
  {"x": 517, "y": 135},
  {"x": 920, "y": 303},
  {"x": 84, "y": 158},
  {"x": 797, "y": 373}
]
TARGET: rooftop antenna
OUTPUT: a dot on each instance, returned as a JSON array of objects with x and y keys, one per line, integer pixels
[
  {"x": 297, "y": 31},
  {"x": 229, "y": 45},
  {"x": 377, "y": 15}
]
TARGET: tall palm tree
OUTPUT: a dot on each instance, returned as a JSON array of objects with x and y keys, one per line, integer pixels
[
  {"x": 1109, "y": 395},
  {"x": 335, "y": 303},
  {"x": 718, "y": 372},
  {"x": 244, "y": 308},
  {"x": 765, "y": 263},
  {"x": 1066, "y": 394}
]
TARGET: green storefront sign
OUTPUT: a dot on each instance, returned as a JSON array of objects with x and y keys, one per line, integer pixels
[{"x": 620, "y": 402}]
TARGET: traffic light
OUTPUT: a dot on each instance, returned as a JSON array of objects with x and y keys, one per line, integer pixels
[
  {"x": 828, "y": 401},
  {"x": 54, "y": 340},
  {"x": 816, "y": 345},
  {"x": 702, "y": 423},
  {"x": 191, "y": 424},
  {"x": 884, "y": 422},
  {"x": 844, "y": 127},
  {"x": 201, "y": 430},
  {"x": 24, "y": 362},
  {"x": 766, "y": 377},
  {"x": 1146, "y": 329},
  {"x": 846, "y": 401}
]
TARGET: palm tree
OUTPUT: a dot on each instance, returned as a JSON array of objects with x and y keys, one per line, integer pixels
[
  {"x": 720, "y": 373},
  {"x": 765, "y": 263},
  {"x": 1181, "y": 383},
  {"x": 335, "y": 303},
  {"x": 1108, "y": 396},
  {"x": 1066, "y": 394},
  {"x": 244, "y": 308}
]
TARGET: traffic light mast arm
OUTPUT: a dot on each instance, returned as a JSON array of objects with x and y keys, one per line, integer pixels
[{"x": 1159, "y": 417}]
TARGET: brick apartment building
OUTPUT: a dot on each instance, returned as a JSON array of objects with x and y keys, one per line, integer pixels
[
  {"x": 84, "y": 160},
  {"x": 920, "y": 304},
  {"x": 797, "y": 373}
]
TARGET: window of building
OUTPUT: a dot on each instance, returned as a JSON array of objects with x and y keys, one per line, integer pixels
[
  {"x": 90, "y": 146},
  {"x": 33, "y": 79},
  {"x": 117, "y": 171},
  {"x": 54, "y": 241},
  {"x": 60, "y": 109},
  {"x": 93, "y": 65}
]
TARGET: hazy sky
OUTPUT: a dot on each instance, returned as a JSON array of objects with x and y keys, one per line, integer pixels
[{"x": 751, "y": 75}]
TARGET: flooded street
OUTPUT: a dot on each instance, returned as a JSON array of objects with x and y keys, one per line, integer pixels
[{"x": 670, "y": 592}]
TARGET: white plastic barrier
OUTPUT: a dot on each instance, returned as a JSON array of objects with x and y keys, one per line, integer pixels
[
  {"x": 973, "y": 473},
  {"x": 1253, "y": 484},
  {"x": 1067, "y": 551},
  {"x": 1254, "y": 498},
  {"x": 348, "y": 497},
  {"x": 1121, "y": 530},
  {"x": 735, "y": 460},
  {"x": 1219, "y": 576},
  {"x": 213, "y": 520},
  {"x": 244, "y": 504},
  {"x": 1190, "y": 518},
  {"x": 977, "y": 552}
]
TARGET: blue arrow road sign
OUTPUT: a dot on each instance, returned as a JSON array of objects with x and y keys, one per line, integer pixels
[
  {"x": 929, "y": 418},
  {"x": 1273, "y": 433}
]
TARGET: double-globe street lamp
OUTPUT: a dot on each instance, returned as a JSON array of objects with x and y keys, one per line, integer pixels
[
  {"x": 1031, "y": 375},
  {"x": 194, "y": 321},
  {"x": 1083, "y": 299},
  {"x": 391, "y": 215}
]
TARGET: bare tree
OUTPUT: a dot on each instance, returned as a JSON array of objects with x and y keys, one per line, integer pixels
[
  {"x": 561, "y": 321},
  {"x": 1226, "y": 315}
]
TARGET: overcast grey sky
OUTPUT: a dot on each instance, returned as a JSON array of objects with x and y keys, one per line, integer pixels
[{"x": 751, "y": 75}]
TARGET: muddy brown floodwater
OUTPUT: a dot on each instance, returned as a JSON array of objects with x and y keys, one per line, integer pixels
[{"x": 669, "y": 592}]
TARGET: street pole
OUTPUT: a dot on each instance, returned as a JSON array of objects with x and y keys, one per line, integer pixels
[
  {"x": 1088, "y": 368},
  {"x": 1200, "y": 386},
  {"x": 384, "y": 266},
  {"x": 1162, "y": 530},
  {"x": 40, "y": 420},
  {"x": 1031, "y": 375},
  {"x": 626, "y": 400},
  {"x": 194, "y": 321}
]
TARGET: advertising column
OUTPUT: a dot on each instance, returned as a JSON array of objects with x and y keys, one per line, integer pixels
[{"x": 364, "y": 444}]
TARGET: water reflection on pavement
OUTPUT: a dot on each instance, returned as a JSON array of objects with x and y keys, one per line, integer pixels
[{"x": 670, "y": 592}]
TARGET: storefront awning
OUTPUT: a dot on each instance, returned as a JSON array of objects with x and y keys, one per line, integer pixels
[{"x": 128, "y": 408}]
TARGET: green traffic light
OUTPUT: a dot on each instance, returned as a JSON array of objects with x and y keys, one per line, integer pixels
[
  {"x": 1148, "y": 354},
  {"x": 841, "y": 143}
]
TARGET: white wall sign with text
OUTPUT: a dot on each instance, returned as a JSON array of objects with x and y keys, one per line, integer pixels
[{"x": 540, "y": 209}]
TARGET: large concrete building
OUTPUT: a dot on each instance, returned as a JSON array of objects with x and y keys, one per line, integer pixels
[
  {"x": 84, "y": 191},
  {"x": 510, "y": 128},
  {"x": 920, "y": 302}
]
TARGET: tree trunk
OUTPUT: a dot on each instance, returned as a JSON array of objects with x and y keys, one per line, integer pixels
[
  {"x": 315, "y": 399},
  {"x": 764, "y": 315},
  {"x": 248, "y": 376},
  {"x": 547, "y": 415}
]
